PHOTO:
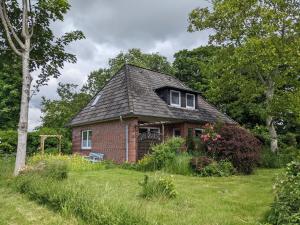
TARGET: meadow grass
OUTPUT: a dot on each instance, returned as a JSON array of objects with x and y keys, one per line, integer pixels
[
  {"x": 18, "y": 209},
  {"x": 233, "y": 200}
]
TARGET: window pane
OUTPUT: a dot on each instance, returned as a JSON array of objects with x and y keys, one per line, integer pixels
[
  {"x": 176, "y": 132},
  {"x": 89, "y": 144},
  {"x": 143, "y": 130},
  {"x": 190, "y": 100},
  {"x": 153, "y": 130},
  {"x": 198, "y": 132},
  {"x": 175, "y": 98}
]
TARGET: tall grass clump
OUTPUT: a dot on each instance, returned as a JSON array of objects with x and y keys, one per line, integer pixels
[
  {"x": 180, "y": 164},
  {"x": 74, "y": 162},
  {"x": 75, "y": 200},
  {"x": 158, "y": 186}
]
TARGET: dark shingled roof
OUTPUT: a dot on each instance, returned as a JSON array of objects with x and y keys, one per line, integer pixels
[{"x": 131, "y": 92}]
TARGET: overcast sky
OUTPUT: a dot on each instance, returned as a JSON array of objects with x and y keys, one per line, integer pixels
[{"x": 112, "y": 26}]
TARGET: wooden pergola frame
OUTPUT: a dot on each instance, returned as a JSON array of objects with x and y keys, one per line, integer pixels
[{"x": 43, "y": 139}]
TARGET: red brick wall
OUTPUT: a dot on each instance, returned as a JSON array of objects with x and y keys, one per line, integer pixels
[{"x": 109, "y": 139}]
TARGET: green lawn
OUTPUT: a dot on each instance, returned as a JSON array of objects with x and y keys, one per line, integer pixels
[
  {"x": 17, "y": 209},
  {"x": 232, "y": 200},
  {"x": 229, "y": 200}
]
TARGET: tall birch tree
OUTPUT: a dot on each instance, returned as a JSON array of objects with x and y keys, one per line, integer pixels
[{"x": 26, "y": 30}]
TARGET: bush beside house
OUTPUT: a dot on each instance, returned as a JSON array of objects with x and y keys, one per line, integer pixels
[{"x": 286, "y": 207}]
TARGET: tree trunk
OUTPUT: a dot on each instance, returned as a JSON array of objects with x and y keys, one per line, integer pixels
[
  {"x": 23, "y": 120},
  {"x": 269, "y": 119}
]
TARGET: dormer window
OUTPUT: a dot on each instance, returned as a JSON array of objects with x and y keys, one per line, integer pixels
[
  {"x": 190, "y": 101},
  {"x": 175, "y": 98}
]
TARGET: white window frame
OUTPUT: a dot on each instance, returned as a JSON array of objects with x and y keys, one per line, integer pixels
[
  {"x": 172, "y": 104},
  {"x": 88, "y": 133},
  {"x": 149, "y": 128},
  {"x": 190, "y": 107}
]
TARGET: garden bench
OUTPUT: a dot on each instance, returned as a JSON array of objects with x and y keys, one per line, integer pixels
[{"x": 95, "y": 157}]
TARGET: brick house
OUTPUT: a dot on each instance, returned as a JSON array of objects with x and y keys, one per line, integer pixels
[{"x": 136, "y": 108}]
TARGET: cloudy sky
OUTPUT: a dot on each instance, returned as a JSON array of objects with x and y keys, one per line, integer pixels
[{"x": 112, "y": 26}]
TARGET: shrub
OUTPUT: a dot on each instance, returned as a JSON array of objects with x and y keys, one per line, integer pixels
[
  {"x": 6, "y": 148},
  {"x": 179, "y": 165},
  {"x": 158, "y": 186},
  {"x": 76, "y": 200},
  {"x": 237, "y": 145},
  {"x": 198, "y": 163},
  {"x": 218, "y": 169},
  {"x": 286, "y": 207},
  {"x": 161, "y": 154}
]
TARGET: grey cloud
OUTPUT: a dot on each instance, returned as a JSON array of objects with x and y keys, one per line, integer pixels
[{"x": 112, "y": 26}]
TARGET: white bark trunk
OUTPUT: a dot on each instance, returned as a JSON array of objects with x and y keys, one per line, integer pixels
[
  {"x": 23, "y": 120},
  {"x": 269, "y": 119}
]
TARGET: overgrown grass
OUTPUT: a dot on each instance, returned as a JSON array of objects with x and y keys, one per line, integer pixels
[
  {"x": 234, "y": 200},
  {"x": 179, "y": 165},
  {"x": 75, "y": 162}
]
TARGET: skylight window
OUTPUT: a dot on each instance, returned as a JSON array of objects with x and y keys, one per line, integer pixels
[{"x": 96, "y": 99}]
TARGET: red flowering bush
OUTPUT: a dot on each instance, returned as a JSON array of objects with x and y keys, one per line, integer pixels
[{"x": 235, "y": 144}]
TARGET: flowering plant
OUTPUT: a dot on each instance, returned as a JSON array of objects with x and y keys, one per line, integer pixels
[{"x": 210, "y": 135}]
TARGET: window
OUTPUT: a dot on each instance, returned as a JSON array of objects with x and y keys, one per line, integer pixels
[
  {"x": 153, "y": 130},
  {"x": 198, "y": 132},
  {"x": 176, "y": 132},
  {"x": 86, "y": 139},
  {"x": 190, "y": 101},
  {"x": 175, "y": 98},
  {"x": 96, "y": 99}
]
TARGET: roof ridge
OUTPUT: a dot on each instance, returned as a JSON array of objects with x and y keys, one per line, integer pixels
[
  {"x": 156, "y": 71},
  {"x": 130, "y": 102}
]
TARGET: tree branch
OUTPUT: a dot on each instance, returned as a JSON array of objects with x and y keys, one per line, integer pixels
[
  {"x": 24, "y": 19},
  {"x": 12, "y": 28},
  {"x": 4, "y": 23}
]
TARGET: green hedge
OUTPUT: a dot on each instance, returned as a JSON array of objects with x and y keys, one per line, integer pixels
[{"x": 9, "y": 138}]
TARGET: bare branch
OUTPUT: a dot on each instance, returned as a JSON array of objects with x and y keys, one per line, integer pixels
[
  {"x": 4, "y": 23},
  {"x": 12, "y": 28}
]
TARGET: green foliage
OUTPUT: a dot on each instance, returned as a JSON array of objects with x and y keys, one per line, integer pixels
[
  {"x": 161, "y": 154},
  {"x": 134, "y": 56},
  {"x": 279, "y": 159},
  {"x": 58, "y": 113},
  {"x": 10, "y": 91},
  {"x": 258, "y": 70},
  {"x": 6, "y": 148},
  {"x": 76, "y": 200},
  {"x": 196, "y": 67},
  {"x": 286, "y": 207},
  {"x": 222, "y": 168},
  {"x": 179, "y": 165},
  {"x": 33, "y": 142},
  {"x": 158, "y": 186}
]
